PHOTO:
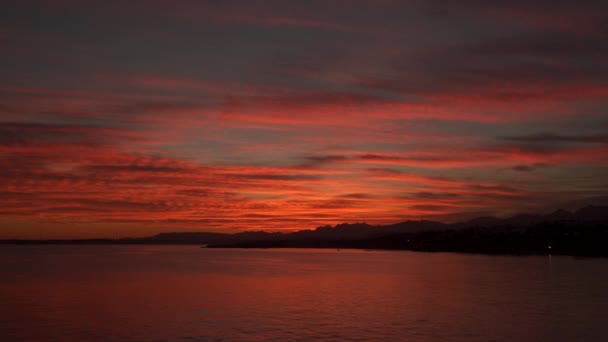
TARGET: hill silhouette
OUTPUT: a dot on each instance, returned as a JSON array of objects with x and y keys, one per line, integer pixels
[
  {"x": 583, "y": 232},
  {"x": 580, "y": 233}
]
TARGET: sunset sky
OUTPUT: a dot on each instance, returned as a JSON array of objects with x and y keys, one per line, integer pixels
[{"x": 128, "y": 118}]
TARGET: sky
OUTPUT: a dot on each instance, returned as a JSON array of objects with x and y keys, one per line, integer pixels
[{"x": 129, "y": 118}]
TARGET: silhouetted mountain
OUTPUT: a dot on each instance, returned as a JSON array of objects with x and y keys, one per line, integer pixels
[
  {"x": 486, "y": 221},
  {"x": 410, "y": 227},
  {"x": 592, "y": 213},
  {"x": 584, "y": 232},
  {"x": 560, "y": 215},
  {"x": 192, "y": 237},
  {"x": 354, "y": 230}
]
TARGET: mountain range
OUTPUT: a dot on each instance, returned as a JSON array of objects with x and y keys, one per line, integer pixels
[{"x": 583, "y": 232}]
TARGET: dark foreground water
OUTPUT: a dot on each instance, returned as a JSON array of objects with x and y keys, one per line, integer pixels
[{"x": 183, "y": 293}]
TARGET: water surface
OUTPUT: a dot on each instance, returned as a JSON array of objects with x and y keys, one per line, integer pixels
[{"x": 182, "y": 293}]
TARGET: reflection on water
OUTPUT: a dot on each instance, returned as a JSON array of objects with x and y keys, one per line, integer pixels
[{"x": 168, "y": 293}]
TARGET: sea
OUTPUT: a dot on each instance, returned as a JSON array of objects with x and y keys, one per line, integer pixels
[{"x": 189, "y": 293}]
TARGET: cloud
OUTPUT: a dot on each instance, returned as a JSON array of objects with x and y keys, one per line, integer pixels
[
  {"x": 326, "y": 159},
  {"x": 356, "y": 196},
  {"x": 434, "y": 195},
  {"x": 234, "y": 116},
  {"x": 431, "y": 208},
  {"x": 561, "y": 16},
  {"x": 523, "y": 168},
  {"x": 558, "y": 138}
]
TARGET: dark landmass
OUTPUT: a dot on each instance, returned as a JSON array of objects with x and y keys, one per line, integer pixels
[
  {"x": 179, "y": 238},
  {"x": 581, "y": 233}
]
